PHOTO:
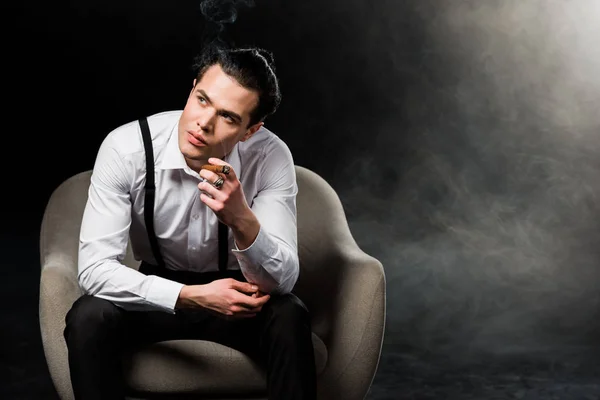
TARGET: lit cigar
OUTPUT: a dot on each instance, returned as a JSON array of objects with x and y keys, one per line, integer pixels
[{"x": 218, "y": 169}]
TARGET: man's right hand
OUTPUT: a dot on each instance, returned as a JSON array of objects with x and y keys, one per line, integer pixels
[{"x": 228, "y": 297}]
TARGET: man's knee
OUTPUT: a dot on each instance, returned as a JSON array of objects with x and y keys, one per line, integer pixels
[
  {"x": 287, "y": 312},
  {"x": 91, "y": 317}
]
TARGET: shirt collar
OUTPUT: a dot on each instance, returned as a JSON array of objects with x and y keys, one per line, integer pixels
[{"x": 172, "y": 157}]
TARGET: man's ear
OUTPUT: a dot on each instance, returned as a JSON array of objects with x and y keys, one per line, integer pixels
[{"x": 251, "y": 131}]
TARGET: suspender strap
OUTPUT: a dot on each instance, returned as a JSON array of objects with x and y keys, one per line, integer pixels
[
  {"x": 150, "y": 190},
  {"x": 149, "y": 205},
  {"x": 223, "y": 251}
]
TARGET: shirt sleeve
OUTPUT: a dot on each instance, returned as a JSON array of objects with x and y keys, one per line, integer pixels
[
  {"x": 271, "y": 261},
  {"x": 104, "y": 236}
]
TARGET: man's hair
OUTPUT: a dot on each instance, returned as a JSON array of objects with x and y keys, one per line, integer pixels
[{"x": 253, "y": 68}]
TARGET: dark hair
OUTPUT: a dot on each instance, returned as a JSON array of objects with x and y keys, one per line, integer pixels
[{"x": 253, "y": 68}]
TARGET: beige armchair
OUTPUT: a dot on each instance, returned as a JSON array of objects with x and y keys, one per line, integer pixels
[{"x": 343, "y": 287}]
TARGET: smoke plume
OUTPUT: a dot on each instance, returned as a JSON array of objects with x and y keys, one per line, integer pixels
[{"x": 219, "y": 14}]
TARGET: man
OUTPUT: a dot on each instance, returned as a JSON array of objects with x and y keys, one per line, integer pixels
[{"x": 221, "y": 179}]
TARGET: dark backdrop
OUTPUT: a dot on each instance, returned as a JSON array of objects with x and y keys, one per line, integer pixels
[{"x": 463, "y": 138}]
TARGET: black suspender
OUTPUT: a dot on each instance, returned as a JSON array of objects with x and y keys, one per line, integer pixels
[
  {"x": 223, "y": 251},
  {"x": 150, "y": 189},
  {"x": 149, "y": 205}
]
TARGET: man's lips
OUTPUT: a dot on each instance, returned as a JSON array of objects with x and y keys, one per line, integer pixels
[{"x": 196, "y": 139}]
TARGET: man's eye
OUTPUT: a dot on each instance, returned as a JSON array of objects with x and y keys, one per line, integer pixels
[
  {"x": 201, "y": 99},
  {"x": 228, "y": 117}
]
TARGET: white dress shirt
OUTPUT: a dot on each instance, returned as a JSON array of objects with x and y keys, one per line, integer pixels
[{"x": 186, "y": 228}]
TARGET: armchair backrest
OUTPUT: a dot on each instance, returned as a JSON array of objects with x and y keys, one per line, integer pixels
[{"x": 324, "y": 245}]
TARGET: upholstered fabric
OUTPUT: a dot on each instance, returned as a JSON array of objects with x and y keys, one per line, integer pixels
[{"x": 343, "y": 287}]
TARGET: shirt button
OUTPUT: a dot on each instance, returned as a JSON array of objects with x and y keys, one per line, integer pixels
[{"x": 195, "y": 217}]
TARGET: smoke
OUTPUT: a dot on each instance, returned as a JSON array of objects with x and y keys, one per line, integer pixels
[
  {"x": 488, "y": 223},
  {"x": 218, "y": 14}
]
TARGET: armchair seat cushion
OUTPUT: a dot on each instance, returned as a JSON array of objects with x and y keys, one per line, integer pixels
[{"x": 197, "y": 366}]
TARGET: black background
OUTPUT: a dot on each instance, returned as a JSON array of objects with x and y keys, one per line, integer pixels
[{"x": 462, "y": 138}]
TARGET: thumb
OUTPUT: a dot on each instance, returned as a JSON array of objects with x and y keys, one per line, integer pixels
[{"x": 244, "y": 287}]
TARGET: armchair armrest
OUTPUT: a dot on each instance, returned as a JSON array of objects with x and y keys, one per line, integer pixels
[
  {"x": 59, "y": 287},
  {"x": 58, "y": 290},
  {"x": 356, "y": 326}
]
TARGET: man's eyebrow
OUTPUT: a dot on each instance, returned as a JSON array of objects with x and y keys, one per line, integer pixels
[{"x": 234, "y": 115}]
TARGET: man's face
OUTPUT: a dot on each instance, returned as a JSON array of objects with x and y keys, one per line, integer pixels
[{"x": 215, "y": 117}]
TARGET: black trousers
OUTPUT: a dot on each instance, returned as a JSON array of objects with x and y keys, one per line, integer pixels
[{"x": 98, "y": 334}]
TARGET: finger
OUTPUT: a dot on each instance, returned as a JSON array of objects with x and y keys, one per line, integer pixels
[
  {"x": 245, "y": 311},
  {"x": 249, "y": 302},
  {"x": 212, "y": 192},
  {"x": 210, "y": 176},
  {"x": 239, "y": 309},
  {"x": 252, "y": 303},
  {"x": 211, "y": 203},
  {"x": 263, "y": 299},
  {"x": 243, "y": 287}
]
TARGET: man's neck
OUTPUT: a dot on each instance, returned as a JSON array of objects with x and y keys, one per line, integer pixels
[{"x": 195, "y": 165}]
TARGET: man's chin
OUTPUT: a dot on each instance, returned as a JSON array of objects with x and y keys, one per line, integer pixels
[{"x": 192, "y": 151}]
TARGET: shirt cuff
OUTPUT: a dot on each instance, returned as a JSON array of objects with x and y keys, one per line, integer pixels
[
  {"x": 259, "y": 252},
  {"x": 164, "y": 293}
]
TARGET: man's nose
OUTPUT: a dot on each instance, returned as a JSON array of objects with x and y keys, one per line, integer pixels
[{"x": 206, "y": 120}]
